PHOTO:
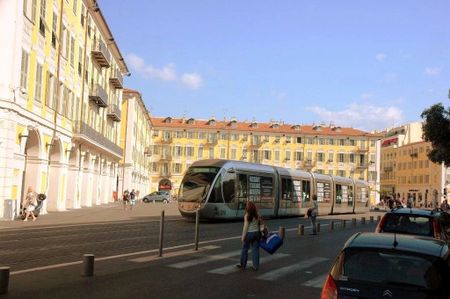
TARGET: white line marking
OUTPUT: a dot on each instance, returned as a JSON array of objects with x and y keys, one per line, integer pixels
[
  {"x": 273, "y": 275},
  {"x": 127, "y": 254},
  {"x": 145, "y": 259},
  {"x": 205, "y": 260},
  {"x": 233, "y": 268},
  {"x": 316, "y": 282}
]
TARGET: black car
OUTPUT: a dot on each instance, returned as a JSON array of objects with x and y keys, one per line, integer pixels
[
  {"x": 373, "y": 265},
  {"x": 431, "y": 223}
]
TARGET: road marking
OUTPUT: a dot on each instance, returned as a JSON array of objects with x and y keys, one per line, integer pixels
[
  {"x": 46, "y": 268},
  {"x": 205, "y": 259},
  {"x": 316, "y": 282},
  {"x": 230, "y": 269},
  {"x": 275, "y": 274},
  {"x": 145, "y": 259}
]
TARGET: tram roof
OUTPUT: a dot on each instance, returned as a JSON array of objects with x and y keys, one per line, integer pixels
[{"x": 233, "y": 163}]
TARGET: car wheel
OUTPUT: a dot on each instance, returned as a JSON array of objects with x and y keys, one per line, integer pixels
[{"x": 165, "y": 201}]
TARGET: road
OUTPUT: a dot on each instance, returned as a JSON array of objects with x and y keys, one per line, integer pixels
[{"x": 46, "y": 262}]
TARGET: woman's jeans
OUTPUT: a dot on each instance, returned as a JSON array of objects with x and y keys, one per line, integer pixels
[
  {"x": 313, "y": 224},
  {"x": 251, "y": 239}
]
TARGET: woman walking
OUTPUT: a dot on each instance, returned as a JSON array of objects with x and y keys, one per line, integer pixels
[
  {"x": 29, "y": 204},
  {"x": 250, "y": 236}
]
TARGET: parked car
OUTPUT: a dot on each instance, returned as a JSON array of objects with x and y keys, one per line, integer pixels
[
  {"x": 431, "y": 223},
  {"x": 157, "y": 196},
  {"x": 373, "y": 265}
]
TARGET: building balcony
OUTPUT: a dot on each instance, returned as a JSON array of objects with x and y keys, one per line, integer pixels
[
  {"x": 116, "y": 79},
  {"x": 114, "y": 112},
  {"x": 362, "y": 149},
  {"x": 87, "y": 133},
  {"x": 388, "y": 169},
  {"x": 164, "y": 140},
  {"x": 165, "y": 157},
  {"x": 362, "y": 165},
  {"x": 211, "y": 141},
  {"x": 101, "y": 55},
  {"x": 98, "y": 95},
  {"x": 309, "y": 163}
]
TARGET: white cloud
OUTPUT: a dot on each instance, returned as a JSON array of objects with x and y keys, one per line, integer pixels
[
  {"x": 279, "y": 95},
  {"x": 366, "y": 95},
  {"x": 166, "y": 73},
  {"x": 380, "y": 57},
  {"x": 362, "y": 116},
  {"x": 432, "y": 71},
  {"x": 192, "y": 80}
]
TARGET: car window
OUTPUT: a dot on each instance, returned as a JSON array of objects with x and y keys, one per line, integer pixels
[
  {"x": 393, "y": 267},
  {"x": 409, "y": 224},
  {"x": 445, "y": 223}
]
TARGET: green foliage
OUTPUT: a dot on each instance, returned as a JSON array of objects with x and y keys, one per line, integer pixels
[{"x": 436, "y": 129}]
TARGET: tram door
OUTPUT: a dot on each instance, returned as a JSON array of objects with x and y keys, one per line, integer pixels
[
  {"x": 241, "y": 193},
  {"x": 229, "y": 192}
]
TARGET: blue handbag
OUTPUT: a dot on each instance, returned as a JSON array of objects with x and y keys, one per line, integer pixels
[{"x": 271, "y": 243}]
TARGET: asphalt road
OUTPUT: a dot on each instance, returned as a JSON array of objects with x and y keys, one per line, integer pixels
[{"x": 46, "y": 262}]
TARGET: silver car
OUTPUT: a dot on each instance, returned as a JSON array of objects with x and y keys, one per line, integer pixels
[{"x": 157, "y": 196}]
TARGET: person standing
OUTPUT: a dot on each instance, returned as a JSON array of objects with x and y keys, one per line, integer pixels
[
  {"x": 29, "y": 204},
  {"x": 314, "y": 212},
  {"x": 444, "y": 205},
  {"x": 250, "y": 236}
]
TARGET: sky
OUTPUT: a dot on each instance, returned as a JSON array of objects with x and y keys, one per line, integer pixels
[{"x": 368, "y": 64}]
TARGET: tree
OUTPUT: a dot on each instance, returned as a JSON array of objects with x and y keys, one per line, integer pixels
[{"x": 436, "y": 129}]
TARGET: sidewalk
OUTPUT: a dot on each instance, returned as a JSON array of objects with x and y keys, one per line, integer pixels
[{"x": 112, "y": 212}]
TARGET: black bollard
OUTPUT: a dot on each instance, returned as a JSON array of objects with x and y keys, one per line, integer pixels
[
  {"x": 4, "y": 280},
  {"x": 88, "y": 262},
  {"x": 161, "y": 234},
  {"x": 197, "y": 220},
  {"x": 301, "y": 229},
  {"x": 281, "y": 232}
]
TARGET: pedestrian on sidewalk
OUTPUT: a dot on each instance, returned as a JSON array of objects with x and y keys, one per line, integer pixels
[
  {"x": 125, "y": 198},
  {"x": 29, "y": 204},
  {"x": 250, "y": 236},
  {"x": 312, "y": 214},
  {"x": 132, "y": 199}
]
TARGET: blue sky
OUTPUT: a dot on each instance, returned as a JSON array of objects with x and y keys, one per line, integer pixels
[{"x": 365, "y": 64}]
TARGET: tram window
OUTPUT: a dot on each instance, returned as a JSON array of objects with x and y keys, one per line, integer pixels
[
  {"x": 306, "y": 188},
  {"x": 296, "y": 190},
  {"x": 228, "y": 187},
  {"x": 286, "y": 189},
  {"x": 338, "y": 194},
  {"x": 216, "y": 192},
  {"x": 242, "y": 186},
  {"x": 350, "y": 196}
]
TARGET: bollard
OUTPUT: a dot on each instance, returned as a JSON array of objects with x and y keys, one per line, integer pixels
[
  {"x": 281, "y": 232},
  {"x": 301, "y": 229},
  {"x": 4, "y": 280},
  {"x": 318, "y": 227},
  {"x": 331, "y": 225},
  {"x": 378, "y": 218},
  {"x": 197, "y": 219},
  {"x": 371, "y": 219},
  {"x": 344, "y": 223},
  {"x": 88, "y": 262},
  {"x": 354, "y": 222},
  {"x": 161, "y": 234},
  {"x": 363, "y": 220}
]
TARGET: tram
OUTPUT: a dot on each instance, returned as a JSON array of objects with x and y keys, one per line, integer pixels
[{"x": 219, "y": 189}]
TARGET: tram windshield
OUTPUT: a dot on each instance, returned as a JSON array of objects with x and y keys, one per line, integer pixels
[{"x": 196, "y": 183}]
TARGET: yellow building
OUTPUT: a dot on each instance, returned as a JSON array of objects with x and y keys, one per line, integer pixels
[
  {"x": 406, "y": 171},
  {"x": 135, "y": 139},
  {"x": 61, "y": 81},
  {"x": 177, "y": 143}
]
